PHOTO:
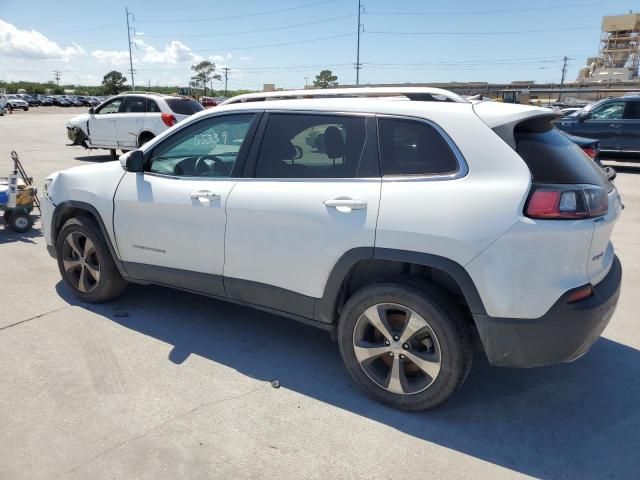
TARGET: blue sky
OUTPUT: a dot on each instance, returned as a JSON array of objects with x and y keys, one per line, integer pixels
[{"x": 283, "y": 42}]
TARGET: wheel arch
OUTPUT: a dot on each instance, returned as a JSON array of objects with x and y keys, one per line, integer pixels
[
  {"x": 72, "y": 208},
  {"x": 143, "y": 134},
  {"x": 363, "y": 266}
]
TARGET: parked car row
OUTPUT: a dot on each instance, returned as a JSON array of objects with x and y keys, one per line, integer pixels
[{"x": 24, "y": 101}]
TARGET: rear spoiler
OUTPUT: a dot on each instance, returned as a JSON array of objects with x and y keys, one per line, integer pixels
[{"x": 502, "y": 118}]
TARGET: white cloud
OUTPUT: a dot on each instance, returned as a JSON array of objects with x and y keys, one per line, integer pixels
[
  {"x": 32, "y": 44},
  {"x": 246, "y": 59},
  {"x": 174, "y": 52},
  {"x": 111, "y": 57}
]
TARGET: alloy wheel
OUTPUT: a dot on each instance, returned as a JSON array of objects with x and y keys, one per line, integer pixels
[
  {"x": 81, "y": 262},
  {"x": 397, "y": 348}
]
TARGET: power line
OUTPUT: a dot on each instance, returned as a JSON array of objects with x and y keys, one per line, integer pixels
[
  {"x": 298, "y": 42},
  {"x": 493, "y": 12},
  {"x": 230, "y": 17},
  {"x": 269, "y": 29},
  {"x": 512, "y": 32}
]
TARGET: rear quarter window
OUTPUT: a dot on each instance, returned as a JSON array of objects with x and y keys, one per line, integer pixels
[
  {"x": 184, "y": 106},
  {"x": 554, "y": 158}
]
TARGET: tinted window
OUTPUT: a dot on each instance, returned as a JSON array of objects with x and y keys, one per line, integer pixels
[
  {"x": 208, "y": 148},
  {"x": 408, "y": 147},
  {"x": 554, "y": 158},
  {"x": 112, "y": 107},
  {"x": 311, "y": 146},
  {"x": 184, "y": 106},
  {"x": 152, "y": 106},
  {"x": 133, "y": 105},
  {"x": 632, "y": 111},
  {"x": 608, "y": 111}
]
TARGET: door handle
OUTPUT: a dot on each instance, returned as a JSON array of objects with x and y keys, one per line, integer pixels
[
  {"x": 345, "y": 204},
  {"x": 615, "y": 125},
  {"x": 204, "y": 195}
]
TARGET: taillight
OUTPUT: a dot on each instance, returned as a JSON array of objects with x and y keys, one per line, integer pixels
[
  {"x": 567, "y": 202},
  {"x": 168, "y": 119},
  {"x": 592, "y": 152}
]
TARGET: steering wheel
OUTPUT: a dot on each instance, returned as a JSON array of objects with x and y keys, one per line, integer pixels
[{"x": 201, "y": 167}]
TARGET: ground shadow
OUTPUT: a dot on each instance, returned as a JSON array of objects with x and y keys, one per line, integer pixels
[
  {"x": 94, "y": 158},
  {"x": 9, "y": 236},
  {"x": 579, "y": 420}
]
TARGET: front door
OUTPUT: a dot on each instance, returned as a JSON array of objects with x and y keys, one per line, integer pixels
[
  {"x": 169, "y": 222},
  {"x": 604, "y": 124},
  {"x": 307, "y": 204},
  {"x": 130, "y": 121},
  {"x": 102, "y": 124}
]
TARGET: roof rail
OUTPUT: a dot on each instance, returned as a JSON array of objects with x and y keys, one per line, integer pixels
[
  {"x": 139, "y": 92},
  {"x": 424, "y": 94}
]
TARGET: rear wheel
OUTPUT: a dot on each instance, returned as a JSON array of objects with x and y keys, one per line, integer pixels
[
  {"x": 85, "y": 262},
  {"x": 114, "y": 154},
  {"x": 26, "y": 109},
  {"x": 406, "y": 344}
]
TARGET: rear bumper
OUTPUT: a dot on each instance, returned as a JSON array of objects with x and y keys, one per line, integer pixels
[{"x": 563, "y": 334}]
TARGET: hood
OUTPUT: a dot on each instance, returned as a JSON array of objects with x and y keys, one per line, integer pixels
[{"x": 78, "y": 120}]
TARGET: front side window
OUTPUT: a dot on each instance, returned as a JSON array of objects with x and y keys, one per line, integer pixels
[
  {"x": 311, "y": 146},
  {"x": 208, "y": 148},
  {"x": 112, "y": 107},
  {"x": 609, "y": 111},
  {"x": 410, "y": 147}
]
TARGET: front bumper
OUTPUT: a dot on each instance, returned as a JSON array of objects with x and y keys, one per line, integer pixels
[{"x": 563, "y": 334}]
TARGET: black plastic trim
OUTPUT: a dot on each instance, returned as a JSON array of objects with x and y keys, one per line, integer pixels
[
  {"x": 173, "y": 277},
  {"x": 563, "y": 334},
  {"x": 269, "y": 296},
  {"x": 56, "y": 225},
  {"x": 457, "y": 272}
]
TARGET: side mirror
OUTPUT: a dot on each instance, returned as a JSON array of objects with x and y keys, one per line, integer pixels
[
  {"x": 133, "y": 161},
  {"x": 91, "y": 111},
  {"x": 582, "y": 116}
]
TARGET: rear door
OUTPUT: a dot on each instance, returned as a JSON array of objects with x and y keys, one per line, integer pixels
[
  {"x": 630, "y": 127},
  {"x": 102, "y": 124},
  {"x": 129, "y": 122},
  {"x": 313, "y": 195}
]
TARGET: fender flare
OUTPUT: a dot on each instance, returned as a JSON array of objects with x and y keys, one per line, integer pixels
[
  {"x": 56, "y": 224},
  {"x": 325, "y": 307}
]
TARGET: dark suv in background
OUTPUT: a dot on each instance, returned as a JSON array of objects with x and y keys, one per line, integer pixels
[{"x": 614, "y": 122}]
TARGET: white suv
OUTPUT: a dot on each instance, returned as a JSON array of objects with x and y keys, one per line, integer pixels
[
  {"x": 404, "y": 221},
  {"x": 129, "y": 120}
]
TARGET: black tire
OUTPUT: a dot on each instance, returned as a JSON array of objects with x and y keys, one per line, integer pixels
[
  {"x": 125, "y": 151},
  {"x": 110, "y": 283},
  {"x": 444, "y": 319},
  {"x": 26, "y": 109},
  {"x": 113, "y": 154},
  {"x": 144, "y": 138},
  {"x": 19, "y": 221},
  {"x": 6, "y": 214}
]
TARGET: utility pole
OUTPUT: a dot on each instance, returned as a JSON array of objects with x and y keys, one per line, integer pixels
[
  {"x": 305, "y": 81},
  {"x": 358, "y": 65},
  {"x": 564, "y": 73},
  {"x": 56, "y": 75},
  {"x": 133, "y": 82},
  {"x": 226, "y": 75}
]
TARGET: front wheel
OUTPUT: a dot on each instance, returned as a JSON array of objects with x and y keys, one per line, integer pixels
[
  {"x": 405, "y": 344},
  {"x": 85, "y": 262},
  {"x": 19, "y": 222},
  {"x": 26, "y": 109}
]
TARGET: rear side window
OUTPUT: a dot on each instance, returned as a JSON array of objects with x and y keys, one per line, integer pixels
[
  {"x": 152, "y": 106},
  {"x": 184, "y": 106},
  {"x": 632, "y": 110},
  {"x": 554, "y": 158},
  {"x": 133, "y": 105},
  {"x": 311, "y": 146},
  {"x": 409, "y": 147}
]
